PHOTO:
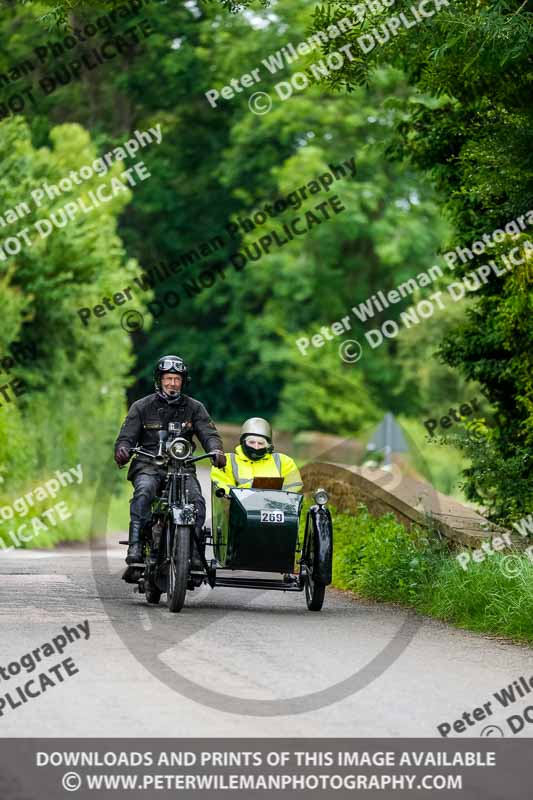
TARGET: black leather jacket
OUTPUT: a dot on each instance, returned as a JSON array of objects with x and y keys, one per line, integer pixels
[{"x": 147, "y": 416}]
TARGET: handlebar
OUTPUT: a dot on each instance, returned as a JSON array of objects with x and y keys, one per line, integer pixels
[
  {"x": 139, "y": 451},
  {"x": 199, "y": 458}
]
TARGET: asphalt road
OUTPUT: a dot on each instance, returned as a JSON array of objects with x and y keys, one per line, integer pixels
[{"x": 236, "y": 662}]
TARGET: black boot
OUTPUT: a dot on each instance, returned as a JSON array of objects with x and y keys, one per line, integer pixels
[{"x": 135, "y": 549}]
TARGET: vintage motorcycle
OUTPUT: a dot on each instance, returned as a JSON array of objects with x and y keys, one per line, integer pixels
[
  {"x": 170, "y": 536},
  {"x": 254, "y": 530}
]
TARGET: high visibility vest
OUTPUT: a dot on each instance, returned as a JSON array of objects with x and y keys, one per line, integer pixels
[
  {"x": 239, "y": 481},
  {"x": 241, "y": 471}
]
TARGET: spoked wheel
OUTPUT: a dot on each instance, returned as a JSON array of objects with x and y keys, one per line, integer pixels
[
  {"x": 178, "y": 568},
  {"x": 152, "y": 592},
  {"x": 314, "y": 589},
  {"x": 314, "y": 593}
]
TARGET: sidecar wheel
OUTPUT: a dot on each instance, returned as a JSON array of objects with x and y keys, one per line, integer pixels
[
  {"x": 315, "y": 589},
  {"x": 314, "y": 594},
  {"x": 178, "y": 568}
]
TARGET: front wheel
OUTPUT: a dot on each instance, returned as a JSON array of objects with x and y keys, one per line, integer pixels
[{"x": 178, "y": 568}]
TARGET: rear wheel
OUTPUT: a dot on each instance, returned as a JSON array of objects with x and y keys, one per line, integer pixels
[
  {"x": 153, "y": 596},
  {"x": 178, "y": 568},
  {"x": 152, "y": 591},
  {"x": 314, "y": 590}
]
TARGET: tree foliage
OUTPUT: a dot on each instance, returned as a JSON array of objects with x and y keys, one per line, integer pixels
[
  {"x": 449, "y": 98},
  {"x": 470, "y": 127},
  {"x": 75, "y": 382}
]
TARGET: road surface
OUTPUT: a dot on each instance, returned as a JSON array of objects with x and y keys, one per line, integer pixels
[{"x": 232, "y": 662}]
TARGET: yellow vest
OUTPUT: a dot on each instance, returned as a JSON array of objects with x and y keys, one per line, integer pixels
[{"x": 241, "y": 470}]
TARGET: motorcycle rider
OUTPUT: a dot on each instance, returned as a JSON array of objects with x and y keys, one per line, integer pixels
[
  {"x": 255, "y": 457},
  {"x": 145, "y": 418}
]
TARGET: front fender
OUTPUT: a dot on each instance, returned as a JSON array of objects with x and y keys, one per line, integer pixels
[{"x": 322, "y": 531}]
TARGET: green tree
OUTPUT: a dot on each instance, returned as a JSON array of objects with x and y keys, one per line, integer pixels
[
  {"x": 470, "y": 127},
  {"x": 75, "y": 383},
  {"x": 216, "y": 165}
]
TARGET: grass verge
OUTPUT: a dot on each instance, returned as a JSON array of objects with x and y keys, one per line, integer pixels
[{"x": 378, "y": 558}]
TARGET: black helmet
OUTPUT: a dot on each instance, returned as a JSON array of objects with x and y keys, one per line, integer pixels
[{"x": 173, "y": 364}]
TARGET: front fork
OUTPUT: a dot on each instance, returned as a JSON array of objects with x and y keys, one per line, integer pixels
[{"x": 174, "y": 507}]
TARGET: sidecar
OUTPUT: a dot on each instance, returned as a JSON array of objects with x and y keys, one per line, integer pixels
[{"x": 256, "y": 530}]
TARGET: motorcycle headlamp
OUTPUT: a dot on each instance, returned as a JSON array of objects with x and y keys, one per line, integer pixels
[
  {"x": 179, "y": 448},
  {"x": 321, "y": 497}
]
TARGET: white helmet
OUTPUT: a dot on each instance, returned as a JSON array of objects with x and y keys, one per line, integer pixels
[{"x": 256, "y": 426}]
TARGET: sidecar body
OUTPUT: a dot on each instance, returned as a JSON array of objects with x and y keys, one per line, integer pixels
[{"x": 256, "y": 531}]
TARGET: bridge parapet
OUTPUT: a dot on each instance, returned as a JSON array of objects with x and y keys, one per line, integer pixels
[{"x": 413, "y": 502}]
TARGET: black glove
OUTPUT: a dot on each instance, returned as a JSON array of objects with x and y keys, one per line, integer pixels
[
  {"x": 219, "y": 459},
  {"x": 122, "y": 455}
]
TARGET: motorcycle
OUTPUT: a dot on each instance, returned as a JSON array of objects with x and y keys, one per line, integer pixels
[
  {"x": 170, "y": 536},
  {"x": 255, "y": 530}
]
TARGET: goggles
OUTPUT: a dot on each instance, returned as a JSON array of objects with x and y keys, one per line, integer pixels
[{"x": 171, "y": 363}]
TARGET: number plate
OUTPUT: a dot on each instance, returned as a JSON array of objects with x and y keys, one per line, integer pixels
[{"x": 272, "y": 516}]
